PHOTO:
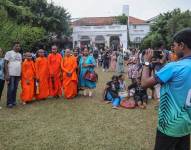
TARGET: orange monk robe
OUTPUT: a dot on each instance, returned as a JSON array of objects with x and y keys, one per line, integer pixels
[
  {"x": 27, "y": 80},
  {"x": 54, "y": 64},
  {"x": 69, "y": 64},
  {"x": 42, "y": 74}
]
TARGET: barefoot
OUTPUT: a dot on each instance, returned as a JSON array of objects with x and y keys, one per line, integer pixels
[
  {"x": 115, "y": 107},
  {"x": 107, "y": 102}
]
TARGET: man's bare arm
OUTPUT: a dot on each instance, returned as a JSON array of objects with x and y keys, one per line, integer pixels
[{"x": 147, "y": 80}]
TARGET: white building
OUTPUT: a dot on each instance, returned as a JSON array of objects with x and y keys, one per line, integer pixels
[{"x": 106, "y": 31}]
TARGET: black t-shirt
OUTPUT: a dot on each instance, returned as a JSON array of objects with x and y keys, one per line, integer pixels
[{"x": 113, "y": 88}]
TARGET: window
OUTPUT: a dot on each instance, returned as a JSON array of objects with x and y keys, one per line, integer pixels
[
  {"x": 137, "y": 40},
  {"x": 134, "y": 26}
]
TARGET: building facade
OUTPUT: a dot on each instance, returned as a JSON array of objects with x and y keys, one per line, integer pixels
[{"x": 106, "y": 32}]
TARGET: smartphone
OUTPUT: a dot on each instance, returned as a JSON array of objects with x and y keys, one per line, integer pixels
[{"x": 157, "y": 54}]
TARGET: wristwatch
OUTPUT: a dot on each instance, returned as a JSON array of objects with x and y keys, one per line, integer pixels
[{"x": 147, "y": 64}]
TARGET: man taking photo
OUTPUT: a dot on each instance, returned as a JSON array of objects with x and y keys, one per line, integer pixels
[{"x": 174, "y": 118}]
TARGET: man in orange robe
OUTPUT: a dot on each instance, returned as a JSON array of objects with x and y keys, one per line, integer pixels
[
  {"x": 42, "y": 75},
  {"x": 27, "y": 79},
  {"x": 70, "y": 80},
  {"x": 54, "y": 64}
]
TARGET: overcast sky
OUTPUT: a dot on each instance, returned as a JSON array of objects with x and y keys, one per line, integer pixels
[{"x": 143, "y": 9}]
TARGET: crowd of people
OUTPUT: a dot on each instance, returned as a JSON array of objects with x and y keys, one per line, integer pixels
[
  {"x": 168, "y": 75},
  {"x": 43, "y": 76},
  {"x": 54, "y": 74},
  {"x": 165, "y": 72},
  {"x": 129, "y": 64}
]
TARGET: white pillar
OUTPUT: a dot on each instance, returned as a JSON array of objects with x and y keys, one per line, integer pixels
[{"x": 107, "y": 38}]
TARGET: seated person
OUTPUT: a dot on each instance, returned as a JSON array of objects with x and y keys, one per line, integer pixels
[
  {"x": 122, "y": 84},
  {"x": 111, "y": 92},
  {"x": 123, "y": 87},
  {"x": 140, "y": 95}
]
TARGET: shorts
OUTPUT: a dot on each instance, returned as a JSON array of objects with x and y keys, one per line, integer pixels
[
  {"x": 140, "y": 98},
  {"x": 165, "y": 142}
]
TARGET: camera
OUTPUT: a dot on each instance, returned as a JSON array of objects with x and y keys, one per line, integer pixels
[{"x": 157, "y": 54}]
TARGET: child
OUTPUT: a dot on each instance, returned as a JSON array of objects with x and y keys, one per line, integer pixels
[
  {"x": 27, "y": 79},
  {"x": 140, "y": 95},
  {"x": 2, "y": 73},
  {"x": 111, "y": 92}
]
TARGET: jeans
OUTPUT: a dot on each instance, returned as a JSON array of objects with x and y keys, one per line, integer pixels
[
  {"x": 115, "y": 101},
  {"x": 12, "y": 90},
  {"x": 2, "y": 82}
]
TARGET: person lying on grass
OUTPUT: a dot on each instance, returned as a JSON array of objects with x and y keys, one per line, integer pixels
[
  {"x": 140, "y": 95},
  {"x": 111, "y": 92}
]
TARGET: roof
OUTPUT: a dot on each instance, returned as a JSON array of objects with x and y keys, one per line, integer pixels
[{"x": 99, "y": 21}]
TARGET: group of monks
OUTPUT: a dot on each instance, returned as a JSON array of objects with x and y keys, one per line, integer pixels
[{"x": 48, "y": 76}]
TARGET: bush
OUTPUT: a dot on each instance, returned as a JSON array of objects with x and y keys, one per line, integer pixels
[{"x": 26, "y": 34}]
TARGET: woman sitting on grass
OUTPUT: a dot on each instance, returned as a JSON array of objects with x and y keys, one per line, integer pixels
[
  {"x": 122, "y": 84},
  {"x": 111, "y": 92},
  {"x": 140, "y": 95}
]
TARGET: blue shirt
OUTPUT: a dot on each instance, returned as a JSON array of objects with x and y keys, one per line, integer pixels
[
  {"x": 2, "y": 62},
  {"x": 175, "y": 102}
]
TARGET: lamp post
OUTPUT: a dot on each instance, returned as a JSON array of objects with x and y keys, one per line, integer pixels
[
  {"x": 127, "y": 31},
  {"x": 126, "y": 12}
]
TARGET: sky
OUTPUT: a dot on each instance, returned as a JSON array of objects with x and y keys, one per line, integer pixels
[{"x": 143, "y": 9}]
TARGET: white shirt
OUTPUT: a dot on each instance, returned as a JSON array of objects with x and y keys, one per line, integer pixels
[{"x": 14, "y": 65}]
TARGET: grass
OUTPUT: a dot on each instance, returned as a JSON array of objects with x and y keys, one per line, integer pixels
[{"x": 79, "y": 124}]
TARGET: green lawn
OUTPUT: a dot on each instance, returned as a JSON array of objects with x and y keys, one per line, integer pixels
[{"x": 80, "y": 124}]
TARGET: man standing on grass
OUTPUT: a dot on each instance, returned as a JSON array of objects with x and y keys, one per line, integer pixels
[
  {"x": 70, "y": 79},
  {"x": 13, "y": 61},
  {"x": 54, "y": 64},
  {"x": 174, "y": 119}
]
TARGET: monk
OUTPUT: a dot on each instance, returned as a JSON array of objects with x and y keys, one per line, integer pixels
[
  {"x": 27, "y": 79},
  {"x": 42, "y": 75},
  {"x": 54, "y": 64},
  {"x": 70, "y": 80}
]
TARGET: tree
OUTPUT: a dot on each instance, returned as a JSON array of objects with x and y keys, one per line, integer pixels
[
  {"x": 31, "y": 21},
  {"x": 166, "y": 26},
  {"x": 122, "y": 19}
]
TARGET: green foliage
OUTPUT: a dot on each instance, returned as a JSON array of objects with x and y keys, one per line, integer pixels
[
  {"x": 166, "y": 26},
  {"x": 122, "y": 19},
  {"x": 30, "y": 21},
  {"x": 26, "y": 34}
]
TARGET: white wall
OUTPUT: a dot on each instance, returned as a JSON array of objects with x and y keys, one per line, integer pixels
[
  {"x": 138, "y": 31},
  {"x": 92, "y": 31}
]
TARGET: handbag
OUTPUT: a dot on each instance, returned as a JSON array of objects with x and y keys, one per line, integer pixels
[
  {"x": 91, "y": 76},
  {"x": 128, "y": 104}
]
